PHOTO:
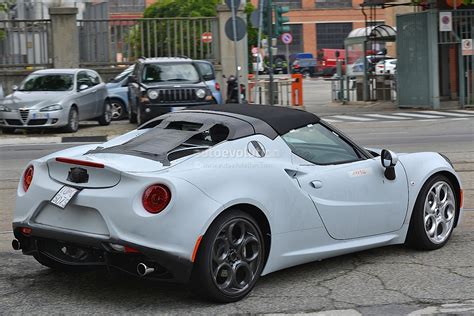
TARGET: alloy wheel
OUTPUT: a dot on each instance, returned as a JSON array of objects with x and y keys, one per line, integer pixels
[
  {"x": 117, "y": 110},
  {"x": 439, "y": 212},
  {"x": 237, "y": 254}
]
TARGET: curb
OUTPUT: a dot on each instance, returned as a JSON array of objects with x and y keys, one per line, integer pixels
[{"x": 54, "y": 140}]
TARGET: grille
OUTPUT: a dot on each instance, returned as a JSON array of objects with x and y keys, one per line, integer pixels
[
  {"x": 177, "y": 95},
  {"x": 24, "y": 114},
  {"x": 37, "y": 122},
  {"x": 14, "y": 122}
]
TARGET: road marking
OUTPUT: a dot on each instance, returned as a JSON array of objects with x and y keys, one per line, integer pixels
[
  {"x": 418, "y": 115},
  {"x": 447, "y": 113},
  {"x": 331, "y": 121},
  {"x": 388, "y": 116},
  {"x": 354, "y": 118},
  {"x": 465, "y": 111}
]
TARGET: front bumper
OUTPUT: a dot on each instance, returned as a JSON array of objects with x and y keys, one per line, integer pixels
[
  {"x": 150, "y": 110},
  {"x": 93, "y": 250},
  {"x": 32, "y": 119}
]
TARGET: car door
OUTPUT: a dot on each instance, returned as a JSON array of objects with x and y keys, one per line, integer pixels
[
  {"x": 349, "y": 189},
  {"x": 206, "y": 69},
  {"x": 86, "y": 98},
  {"x": 99, "y": 90}
]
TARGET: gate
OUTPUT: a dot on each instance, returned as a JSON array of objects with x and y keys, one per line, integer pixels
[
  {"x": 122, "y": 41},
  {"x": 460, "y": 67},
  {"x": 413, "y": 62}
]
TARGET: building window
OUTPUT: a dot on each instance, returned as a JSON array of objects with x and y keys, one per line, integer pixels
[
  {"x": 332, "y": 35},
  {"x": 297, "y": 45},
  {"x": 333, "y": 4},
  {"x": 292, "y": 4},
  {"x": 128, "y": 6}
]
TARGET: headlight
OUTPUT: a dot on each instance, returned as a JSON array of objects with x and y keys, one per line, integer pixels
[
  {"x": 55, "y": 107},
  {"x": 4, "y": 109},
  {"x": 153, "y": 94},
  {"x": 201, "y": 93}
]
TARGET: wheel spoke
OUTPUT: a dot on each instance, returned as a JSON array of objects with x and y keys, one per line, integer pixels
[
  {"x": 220, "y": 251},
  {"x": 236, "y": 233},
  {"x": 241, "y": 276},
  {"x": 250, "y": 249}
]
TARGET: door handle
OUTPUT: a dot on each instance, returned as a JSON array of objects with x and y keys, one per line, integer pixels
[{"x": 317, "y": 184}]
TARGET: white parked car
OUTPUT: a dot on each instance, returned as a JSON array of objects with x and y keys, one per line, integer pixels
[
  {"x": 219, "y": 195},
  {"x": 386, "y": 67},
  {"x": 54, "y": 98}
]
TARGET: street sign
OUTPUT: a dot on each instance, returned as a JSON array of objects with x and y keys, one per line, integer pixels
[
  {"x": 467, "y": 48},
  {"x": 445, "y": 21},
  {"x": 255, "y": 18},
  {"x": 236, "y": 4},
  {"x": 287, "y": 38},
  {"x": 206, "y": 37},
  {"x": 241, "y": 28}
]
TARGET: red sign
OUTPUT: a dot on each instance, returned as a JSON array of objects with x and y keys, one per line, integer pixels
[{"x": 206, "y": 37}]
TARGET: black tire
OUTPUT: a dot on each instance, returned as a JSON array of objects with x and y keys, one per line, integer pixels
[
  {"x": 232, "y": 256},
  {"x": 106, "y": 116},
  {"x": 417, "y": 236},
  {"x": 139, "y": 116},
  {"x": 119, "y": 110},
  {"x": 132, "y": 116},
  {"x": 73, "y": 121},
  {"x": 8, "y": 130}
]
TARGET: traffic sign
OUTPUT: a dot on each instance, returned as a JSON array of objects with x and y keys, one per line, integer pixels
[
  {"x": 467, "y": 47},
  {"x": 241, "y": 28},
  {"x": 206, "y": 37},
  {"x": 236, "y": 4},
  {"x": 287, "y": 38}
]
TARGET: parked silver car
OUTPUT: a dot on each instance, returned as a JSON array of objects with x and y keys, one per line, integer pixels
[{"x": 54, "y": 98}]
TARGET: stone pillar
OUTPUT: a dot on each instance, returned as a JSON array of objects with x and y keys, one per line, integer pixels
[
  {"x": 227, "y": 49},
  {"x": 65, "y": 37}
]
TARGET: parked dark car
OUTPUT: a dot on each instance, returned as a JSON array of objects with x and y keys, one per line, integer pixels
[
  {"x": 308, "y": 67},
  {"x": 161, "y": 85}
]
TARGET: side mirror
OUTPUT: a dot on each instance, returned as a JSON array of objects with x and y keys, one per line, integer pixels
[
  {"x": 83, "y": 87},
  {"x": 389, "y": 161},
  {"x": 15, "y": 88},
  {"x": 132, "y": 79}
]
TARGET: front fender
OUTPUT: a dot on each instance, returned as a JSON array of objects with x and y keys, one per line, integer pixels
[{"x": 419, "y": 168}]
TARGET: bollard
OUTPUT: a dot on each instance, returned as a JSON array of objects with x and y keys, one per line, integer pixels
[{"x": 297, "y": 90}]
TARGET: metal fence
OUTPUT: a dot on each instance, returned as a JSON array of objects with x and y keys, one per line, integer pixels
[
  {"x": 122, "y": 41},
  {"x": 25, "y": 44}
]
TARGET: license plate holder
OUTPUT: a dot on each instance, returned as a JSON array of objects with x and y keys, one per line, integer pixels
[{"x": 62, "y": 198}]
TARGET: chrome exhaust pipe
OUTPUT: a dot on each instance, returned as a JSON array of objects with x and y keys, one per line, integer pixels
[
  {"x": 143, "y": 270},
  {"x": 16, "y": 244}
]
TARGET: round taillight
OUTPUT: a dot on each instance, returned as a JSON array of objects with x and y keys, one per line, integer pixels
[
  {"x": 28, "y": 177},
  {"x": 218, "y": 86},
  {"x": 156, "y": 197}
]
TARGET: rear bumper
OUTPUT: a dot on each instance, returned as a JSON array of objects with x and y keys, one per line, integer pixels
[{"x": 97, "y": 251}]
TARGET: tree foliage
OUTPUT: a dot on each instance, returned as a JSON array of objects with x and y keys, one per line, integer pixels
[{"x": 181, "y": 8}]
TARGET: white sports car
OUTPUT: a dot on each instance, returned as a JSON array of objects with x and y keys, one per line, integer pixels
[{"x": 218, "y": 196}]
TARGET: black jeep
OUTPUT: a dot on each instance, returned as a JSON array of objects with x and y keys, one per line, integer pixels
[{"x": 161, "y": 85}]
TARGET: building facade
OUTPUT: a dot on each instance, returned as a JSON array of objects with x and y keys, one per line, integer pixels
[{"x": 318, "y": 24}]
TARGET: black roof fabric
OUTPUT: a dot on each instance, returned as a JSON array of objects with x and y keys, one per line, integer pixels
[{"x": 281, "y": 119}]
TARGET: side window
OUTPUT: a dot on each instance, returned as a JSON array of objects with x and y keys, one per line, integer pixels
[
  {"x": 206, "y": 70},
  {"x": 319, "y": 145},
  {"x": 83, "y": 79},
  {"x": 93, "y": 78}
]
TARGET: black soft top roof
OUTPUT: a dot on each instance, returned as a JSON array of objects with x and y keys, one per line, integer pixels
[{"x": 281, "y": 119}]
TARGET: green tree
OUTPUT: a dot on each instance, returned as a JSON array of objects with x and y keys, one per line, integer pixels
[{"x": 181, "y": 8}]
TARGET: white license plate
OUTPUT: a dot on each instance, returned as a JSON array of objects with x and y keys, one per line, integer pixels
[{"x": 62, "y": 198}]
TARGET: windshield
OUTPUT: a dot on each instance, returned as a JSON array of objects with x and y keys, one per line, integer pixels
[
  {"x": 49, "y": 82},
  {"x": 123, "y": 74},
  {"x": 170, "y": 73}
]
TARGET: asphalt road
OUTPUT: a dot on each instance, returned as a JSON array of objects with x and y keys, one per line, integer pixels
[{"x": 390, "y": 281}]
